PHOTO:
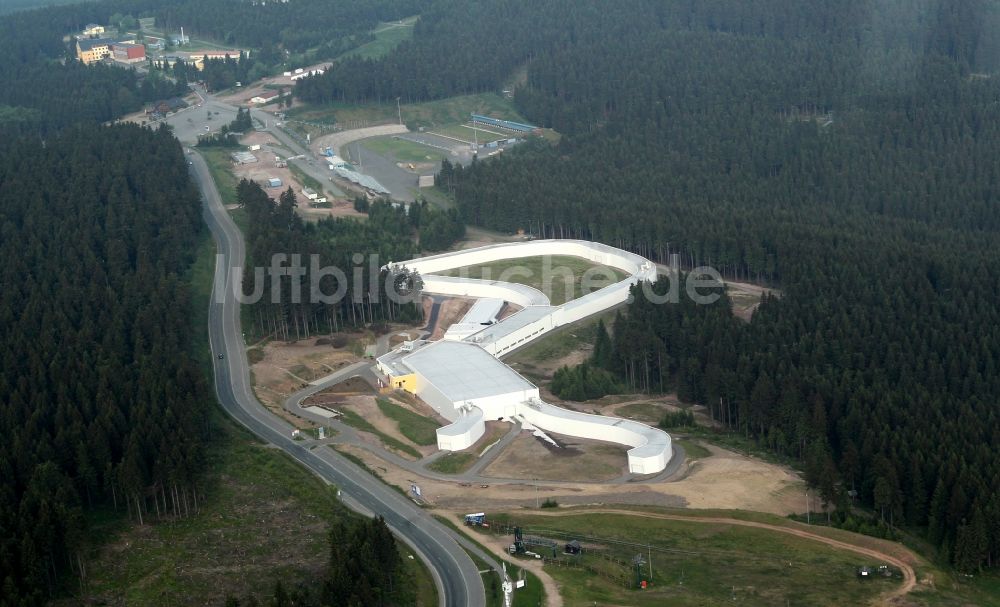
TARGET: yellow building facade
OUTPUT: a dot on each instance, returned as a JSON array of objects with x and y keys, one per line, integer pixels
[{"x": 91, "y": 51}]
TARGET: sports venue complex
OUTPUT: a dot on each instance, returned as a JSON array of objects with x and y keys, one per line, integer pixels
[{"x": 462, "y": 377}]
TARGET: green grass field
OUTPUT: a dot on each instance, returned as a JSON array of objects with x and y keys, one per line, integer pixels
[
  {"x": 560, "y": 277},
  {"x": 221, "y": 168},
  {"x": 693, "y": 449},
  {"x": 450, "y": 111},
  {"x": 200, "y": 277},
  {"x": 402, "y": 150},
  {"x": 419, "y": 429},
  {"x": 452, "y": 463},
  {"x": 263, "y": 519},
  {"x": 559, "y": 343},
  {"x": 351, "y": 418},
  {"x": 387, "y": 37},
  {"x": 648, "y": 413},
  {"x": 701, "y": 564}
]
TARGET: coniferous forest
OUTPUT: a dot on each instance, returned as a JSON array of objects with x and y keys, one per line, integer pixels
[
  {"x": 359, "y": 291},
  {"x": 102, "y": 403},
  {"x": 841, "y": 152}
]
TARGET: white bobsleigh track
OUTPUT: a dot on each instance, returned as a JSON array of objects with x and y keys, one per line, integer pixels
[{"x": 469, "y": 409}]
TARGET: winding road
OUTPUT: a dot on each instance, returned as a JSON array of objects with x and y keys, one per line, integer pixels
[{"x": 456, "y": 576}]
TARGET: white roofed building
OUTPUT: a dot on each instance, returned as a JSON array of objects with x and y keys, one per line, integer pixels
[{"x": 462, "y": 378}]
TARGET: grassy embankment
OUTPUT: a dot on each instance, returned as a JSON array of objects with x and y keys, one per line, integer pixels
[
  {"x": 351, "y": 418},
  {"x": 388, "y": 35},
  {"x": 457, "y": 462},
  {"x": 560, "y": 277},
  {"x": 697, "y": 563},
  {"x": 419, "y": 429}
]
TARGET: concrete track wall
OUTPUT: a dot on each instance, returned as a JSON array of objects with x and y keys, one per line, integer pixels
[{"x": 651, "y": 447}]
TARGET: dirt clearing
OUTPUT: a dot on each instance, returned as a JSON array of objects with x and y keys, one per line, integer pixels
[
  {"x": 571, "y": 459},
  {"x": 280, "y": 369}
]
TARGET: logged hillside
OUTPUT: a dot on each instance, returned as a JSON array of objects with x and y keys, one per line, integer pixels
[{"x": 844, "y": 152}]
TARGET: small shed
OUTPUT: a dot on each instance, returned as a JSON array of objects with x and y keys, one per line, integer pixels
[
  {"x": 274, "y": 182},
  {"x": 573, "y": 547}
]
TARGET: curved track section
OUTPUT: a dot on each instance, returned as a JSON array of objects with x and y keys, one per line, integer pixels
[
  {"x": 443, "y": 379},
  {"x": 522, "y": 295}
]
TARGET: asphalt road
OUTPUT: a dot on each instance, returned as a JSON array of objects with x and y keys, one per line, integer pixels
[
  {"x": 189, "y": 123},
  {"x": 458, "y": 581}
]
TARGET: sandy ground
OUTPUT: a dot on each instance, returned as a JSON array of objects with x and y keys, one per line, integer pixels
[
  {"x": 575, "y": 460},
  {"x": 725, "y": 480},
  {"x": 547, "y": 368},
  {"x": 400, "y": 336},
  {"x": 495, "y": 430},
  {"x": 418, "y": 168}
]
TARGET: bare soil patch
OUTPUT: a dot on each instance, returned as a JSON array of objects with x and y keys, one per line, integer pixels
[
  {"x": 723, "y": 480},
  {"x": 477, "y": 237},
  {"x": 452, "y": 310},
  {"x": 286, "y": 367},
  {"x": 574, "y": 459},
  {"x": 349, "y": 387}
]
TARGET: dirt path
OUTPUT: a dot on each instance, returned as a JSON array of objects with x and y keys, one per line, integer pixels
[
  {"x": 909, "y": 575},
  {"x": 498, "y": 546}
]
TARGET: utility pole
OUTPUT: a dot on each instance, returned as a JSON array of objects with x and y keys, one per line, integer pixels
[
  {"x": 536, "y": 493},
  {"x": 649, "y": 550},
  {"x": 399, "y": 111},
  {"x": 808, "y": 518}
]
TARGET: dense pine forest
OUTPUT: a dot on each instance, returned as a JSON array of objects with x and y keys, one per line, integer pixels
[
  {"x": 101, "y": 402},
  {"x": 357, "y": 294},
  {"x": 842, "y": 152}
]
